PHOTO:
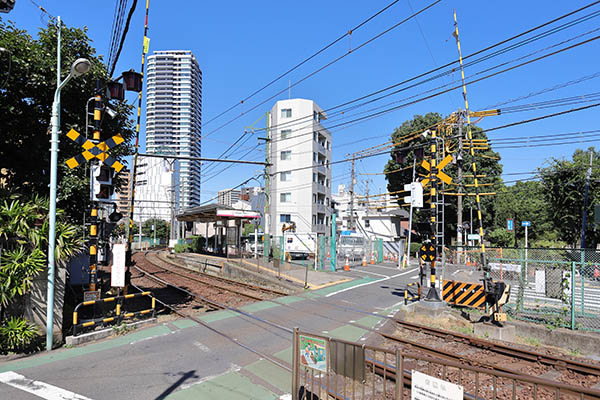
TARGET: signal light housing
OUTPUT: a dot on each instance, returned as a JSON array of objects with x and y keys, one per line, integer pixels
[{"x": 102, "y": 186}]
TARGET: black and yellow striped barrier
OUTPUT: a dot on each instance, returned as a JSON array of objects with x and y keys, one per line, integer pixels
[
  {"x": 408, "y": 296},
  {"x": 468, "y": 294},
  {"x": 119, "y": 316}
]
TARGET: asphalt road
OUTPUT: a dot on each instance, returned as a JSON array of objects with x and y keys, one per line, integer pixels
[{"x": 185, "y": 360}]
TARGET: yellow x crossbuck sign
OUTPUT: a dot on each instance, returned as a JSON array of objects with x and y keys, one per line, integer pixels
[
  {"x": 92, "y": 150},
  {"x": 441, "y": 175}
]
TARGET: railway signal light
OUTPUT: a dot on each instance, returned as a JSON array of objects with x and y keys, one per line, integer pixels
[
  {"x": 102, "y": 185},
  {"x": 416, "y": 194},
  {"x": 6, "y": 6}
]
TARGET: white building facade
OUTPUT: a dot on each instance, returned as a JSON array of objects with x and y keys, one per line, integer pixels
[
  {"x": 300, "y": 153},
  {"x": 174, "y": 115},
  {"x": 228, "y": 196},
  {"x": 156, "y": 189}
]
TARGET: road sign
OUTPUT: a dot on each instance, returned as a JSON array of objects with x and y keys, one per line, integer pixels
[
  {"x": 427, "y": 252},
  {"x": 525, "y": 223},
  {"x": 90, "y": 295},
  {"x": 117, "y": 272},
  {"x": 473, "y": 236},
  {"x": 441, "y": 175},
  {"x": 510, "y": 225},
  {"x": 92, "y": 150}
]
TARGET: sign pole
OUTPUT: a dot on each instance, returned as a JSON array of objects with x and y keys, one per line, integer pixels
[{"x": 526, "y": 232}]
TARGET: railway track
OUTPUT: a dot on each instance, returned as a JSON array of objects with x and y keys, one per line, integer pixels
[
  {"x": 220, "y": 290},
  {"x": 524, "y": 354},
  {"x": 263, "y": 289}
]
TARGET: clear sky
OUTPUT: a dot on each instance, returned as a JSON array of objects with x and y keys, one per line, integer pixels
[{"x": 242, "y": 45}]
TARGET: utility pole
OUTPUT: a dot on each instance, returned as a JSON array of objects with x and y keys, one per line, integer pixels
[
  {"x": 267, "y": 219},
  {"x": 585, "y": 200},
  {"x": 352, "y": 179},
  {"x": 459, "y": 200}
]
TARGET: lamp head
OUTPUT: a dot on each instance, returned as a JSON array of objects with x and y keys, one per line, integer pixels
[{"x": 80, "y": 67}]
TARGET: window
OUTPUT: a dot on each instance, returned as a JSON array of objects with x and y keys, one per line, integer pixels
[
  {"x": 285, "y": 218},
  {"x": 286, "y": 133},
  {"x": 314, "y": 219},
  {"x": 286, "y": 155},
  {"x": 285, "y": 176},
  {"x": 286, "y": 113},
  {"x": 367, "y": 223},
  {"x": 315, "y": 157},
  {"x": 314, "y": 177},
  {"x": 315, "y": 136},
  {"x": 314, "y": 198},
  {"x": 285, "y": 197}
]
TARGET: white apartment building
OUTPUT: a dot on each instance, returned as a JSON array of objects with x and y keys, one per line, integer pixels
[
  {"x": 228, "y": 196},
  {"x": 156, "y": 189},
  {"x": 174, "y": 115},
  {"x": 300, "y": 151}
]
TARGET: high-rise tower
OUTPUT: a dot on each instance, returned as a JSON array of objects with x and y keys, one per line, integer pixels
[{"x": 174, "y": 115}]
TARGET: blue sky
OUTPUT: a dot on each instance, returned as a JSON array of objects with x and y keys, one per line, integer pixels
[{"x": 242, "y": 45}]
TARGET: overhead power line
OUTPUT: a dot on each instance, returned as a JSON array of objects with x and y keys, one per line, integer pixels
[
  {"x": 330, "y": 44},
  {"x": 324, "y": 66}
]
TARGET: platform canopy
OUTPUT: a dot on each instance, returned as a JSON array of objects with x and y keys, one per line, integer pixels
[{"x": 215, "y": 212}]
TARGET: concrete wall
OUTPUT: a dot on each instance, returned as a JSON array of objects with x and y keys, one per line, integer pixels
[{"x": 34, "y": 303}]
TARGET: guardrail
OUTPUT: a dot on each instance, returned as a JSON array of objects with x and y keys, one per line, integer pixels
[
  {"x": 324, "y": 367},
  {"x": 118, "y": 317},
  {"x": 412, "y": 297}
]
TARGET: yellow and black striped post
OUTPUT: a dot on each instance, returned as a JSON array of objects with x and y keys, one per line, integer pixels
[
  {"x": 432, "y": 294},
  {"x": 93, "y": 246}
]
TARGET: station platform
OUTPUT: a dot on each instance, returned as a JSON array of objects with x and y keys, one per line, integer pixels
[{"x": 297, "y": 273}]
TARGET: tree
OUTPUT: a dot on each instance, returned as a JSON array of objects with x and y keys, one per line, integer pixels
[
  {"x": 25, "y": 107},
  {"x": 161, "y": 226},
  {"x": 564, "y": 182},
  {"x": 409, "y": 142},
  {"x": 524, "y": 201}
]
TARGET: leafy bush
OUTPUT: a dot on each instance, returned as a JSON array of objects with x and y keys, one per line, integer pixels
[
  {"x": 414, "y": 247},
  {"x": 16, "y": 334},
  {"x": 197, "y": 244},
  {"x": 183, "y": 248}
]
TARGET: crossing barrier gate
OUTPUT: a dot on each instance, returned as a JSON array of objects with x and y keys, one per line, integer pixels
[
  {"x": 408, "y": 296},
  {"x": 118, "y": 317},
  {"x": 468, "y": 294}
]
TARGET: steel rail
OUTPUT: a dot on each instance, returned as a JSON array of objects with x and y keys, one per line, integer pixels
[
  {"x": 168, "y": 270},
  {"x": 530, "y": 355},
  {"x": 223, "y": 279}
]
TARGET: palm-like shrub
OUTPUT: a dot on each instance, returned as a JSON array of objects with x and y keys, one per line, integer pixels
[
  {"x": 16, "y": 334},
  {"x": 23, "y": 253}
]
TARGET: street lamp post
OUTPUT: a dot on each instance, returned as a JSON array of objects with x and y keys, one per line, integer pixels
[{"x": 79, "y": 67}]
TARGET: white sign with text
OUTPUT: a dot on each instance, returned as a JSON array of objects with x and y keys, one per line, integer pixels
[
  {"x": 425, "y": 387},
  {"x": 117, "y": 272}
]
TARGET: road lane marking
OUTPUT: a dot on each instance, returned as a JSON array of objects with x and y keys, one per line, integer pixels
[
  {"x": 370, "y": 283},
  {"x": 232, "y": 368},
  {"x": 414, "y": 277},
  {"x": 369, "y": 272},
  {"x": 40, "y": 389}
]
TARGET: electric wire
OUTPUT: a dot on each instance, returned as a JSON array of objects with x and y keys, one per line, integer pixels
[
  {"x": 123, "y": 36},
  {"x": 351, "y": 51},
  {"x": 571, "y": 23},
  {"x": 349, "y": 32}
]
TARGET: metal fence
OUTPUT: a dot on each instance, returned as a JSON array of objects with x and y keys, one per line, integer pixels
[
  {"x": 557, "y": 287},
  {"x": 324, "y": 367}
]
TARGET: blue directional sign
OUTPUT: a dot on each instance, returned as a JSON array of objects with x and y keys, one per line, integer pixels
[
  {"x": 525, "y": 223},
  {"x": 510, "y": 225}
]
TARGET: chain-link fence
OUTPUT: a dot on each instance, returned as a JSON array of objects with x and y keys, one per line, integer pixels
[{"x": 557, "y": 287}]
